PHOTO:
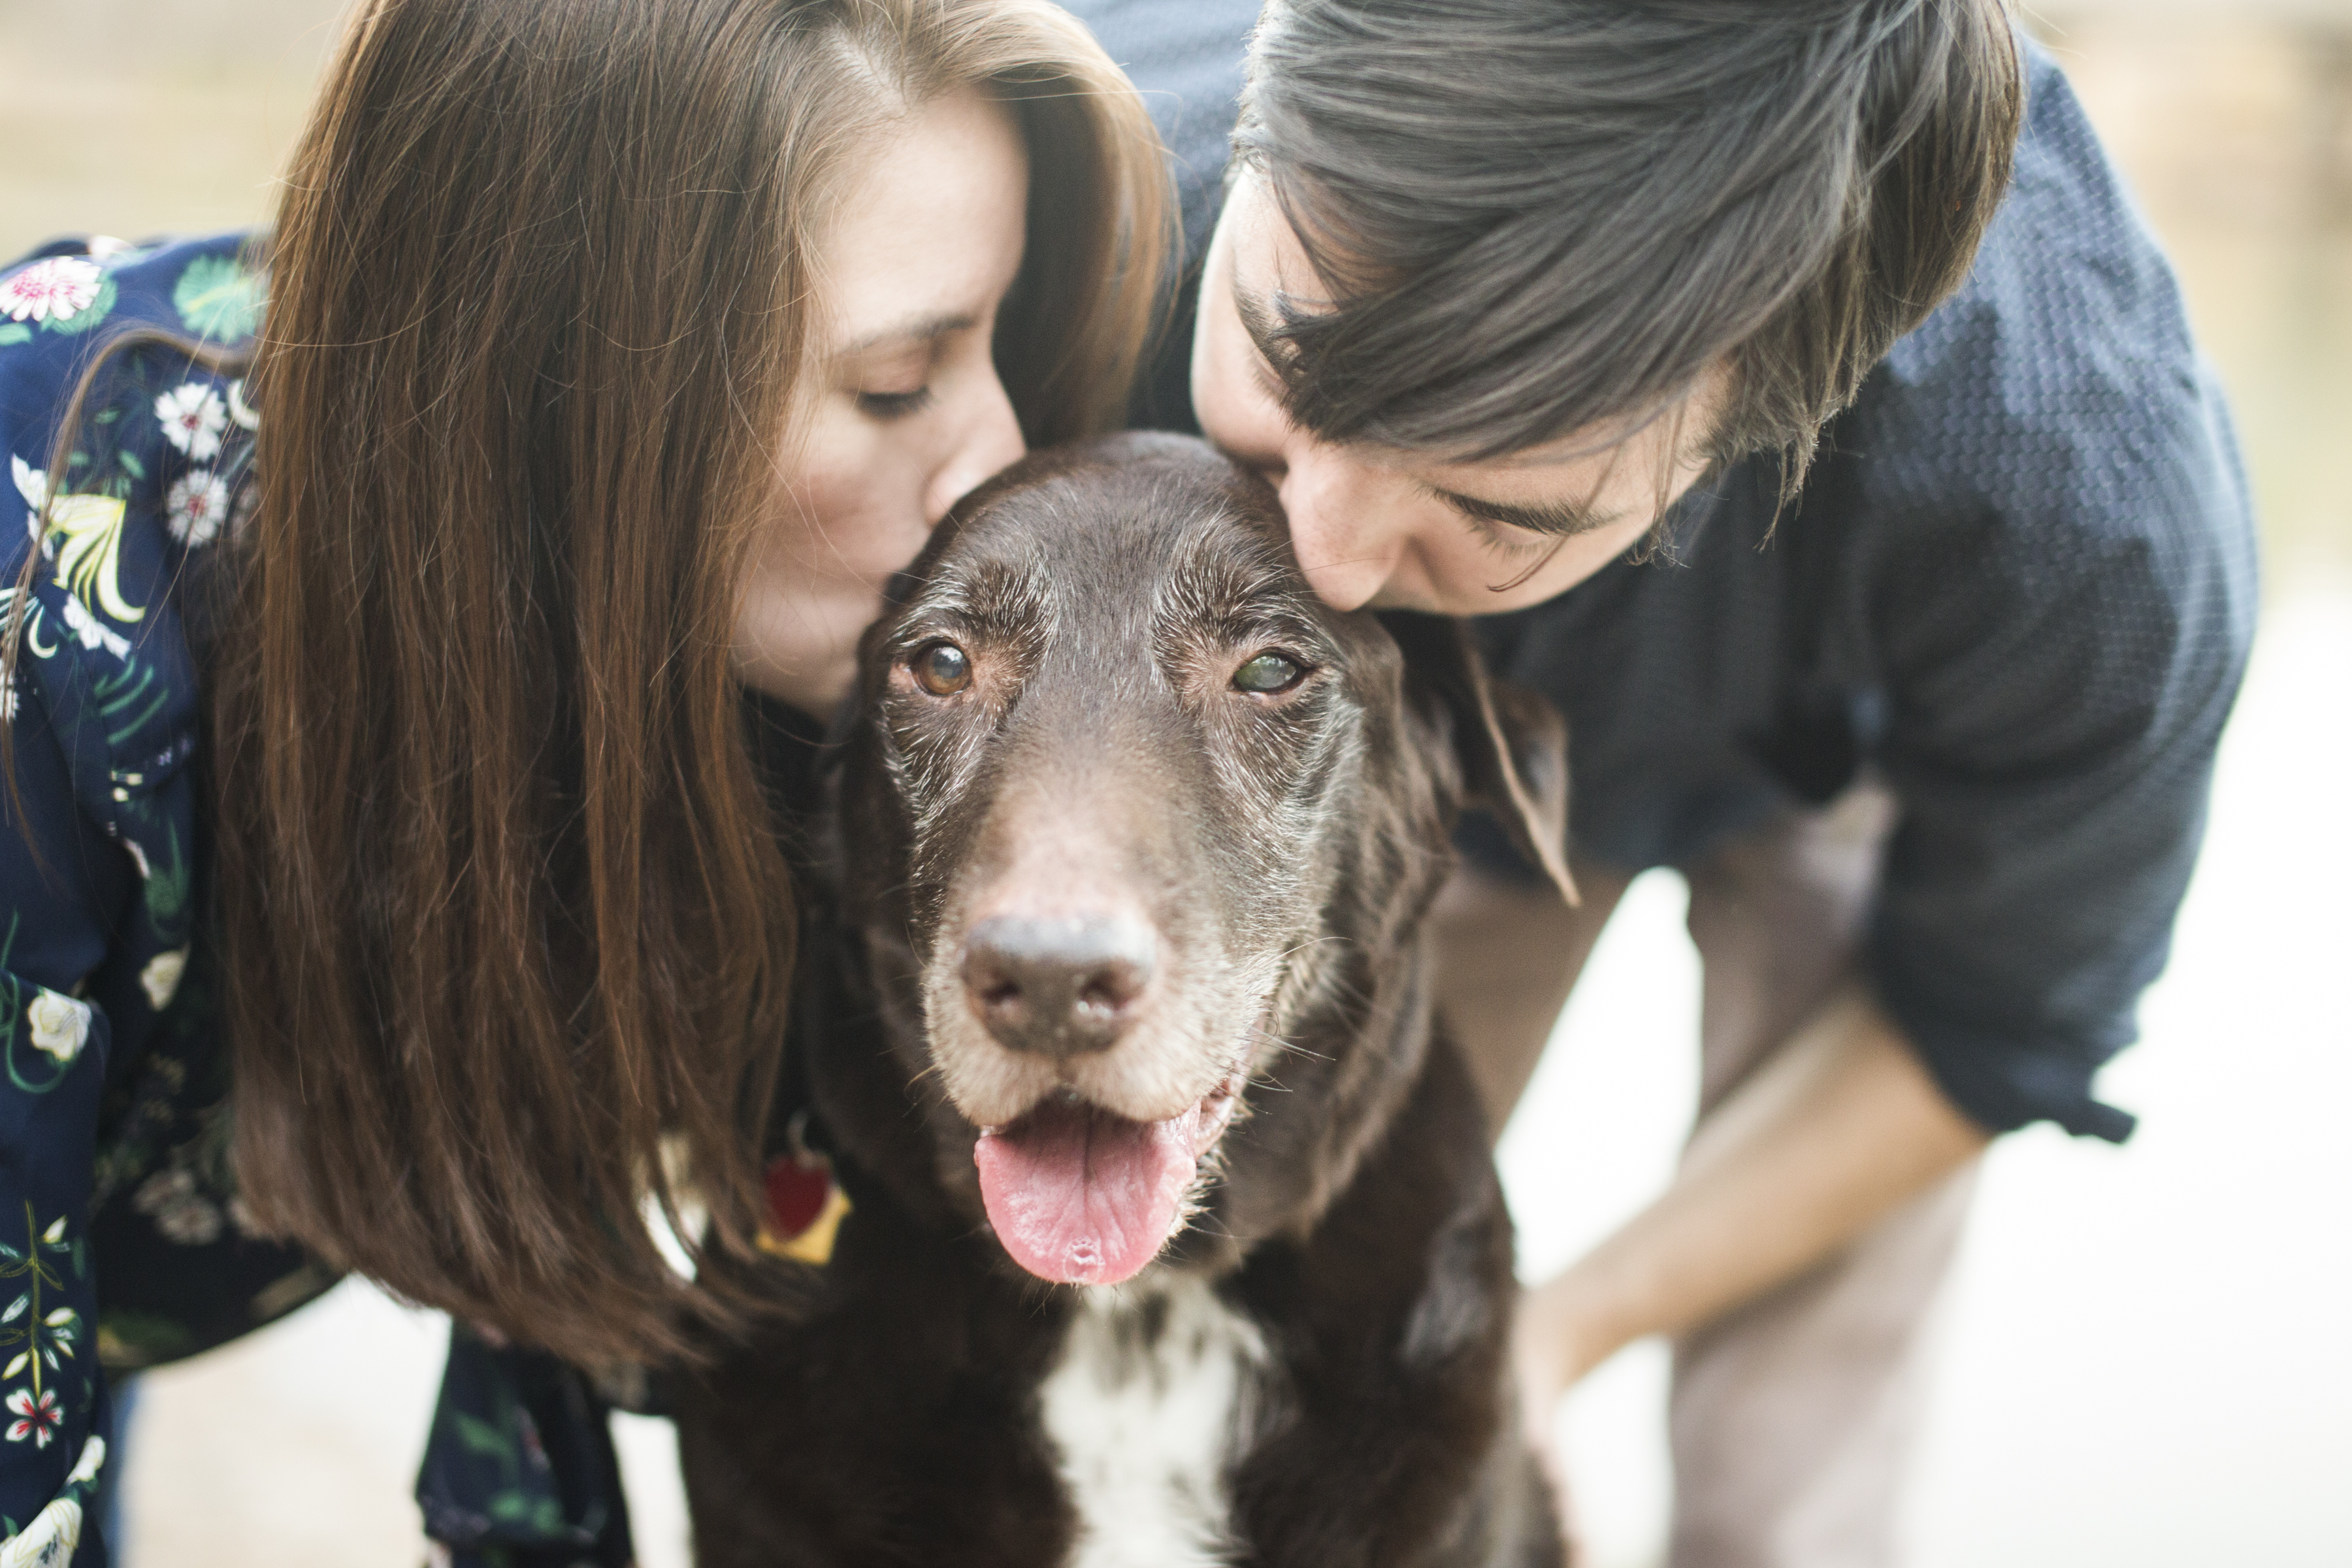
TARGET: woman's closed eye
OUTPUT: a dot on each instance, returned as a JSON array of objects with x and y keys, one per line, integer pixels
[
  {"x": 888, "y": 405},
  {"x": 893, "y": 379}
]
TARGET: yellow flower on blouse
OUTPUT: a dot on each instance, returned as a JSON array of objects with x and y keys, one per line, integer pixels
[{"x": 89, "y": 534}]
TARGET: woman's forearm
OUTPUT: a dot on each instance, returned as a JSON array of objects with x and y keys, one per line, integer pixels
[{"x": 1837, "y": 1129}]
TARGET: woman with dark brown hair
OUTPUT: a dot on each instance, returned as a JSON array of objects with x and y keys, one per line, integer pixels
[{"x": 421, "y": 612}]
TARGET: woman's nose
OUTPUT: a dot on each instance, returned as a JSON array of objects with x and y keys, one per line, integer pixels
[
  {"x": 988, "y": 442},
  {"x": 1339, "y": 526}
]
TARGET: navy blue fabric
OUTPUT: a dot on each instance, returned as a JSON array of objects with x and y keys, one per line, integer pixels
[
  {"x": 520, "y": 1471},
  {"x": 122, "y": 1241},
  {"x": 2019, "y": 586},
  {"x": 1186, "y": 58}
]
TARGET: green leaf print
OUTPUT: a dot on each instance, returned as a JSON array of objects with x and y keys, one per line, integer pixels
[
  {"x": 44, "y": 1336},
  {"x": 218, "y": 299},
  {"x": 84, "y": 320},
  {"x": 484, "y": 1438},
  {"x": 15, "y": 332},
  {"x": 168, "y": 888},
  {"x": 141, "y": 1339}
]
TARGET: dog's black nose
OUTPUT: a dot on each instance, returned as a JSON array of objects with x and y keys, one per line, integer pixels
[{"x": 1059, "y": 987}]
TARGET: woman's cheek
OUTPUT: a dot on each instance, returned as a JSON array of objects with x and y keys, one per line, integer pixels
[
  {"x": 855, "y": 508},
  {"x": 880, "y": 527}
]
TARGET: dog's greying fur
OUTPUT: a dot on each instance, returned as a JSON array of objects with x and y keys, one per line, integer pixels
[{"x": 1336, "y": 1308}]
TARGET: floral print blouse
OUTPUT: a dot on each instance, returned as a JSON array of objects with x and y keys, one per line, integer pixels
[{"x": 122, "y": 1242}]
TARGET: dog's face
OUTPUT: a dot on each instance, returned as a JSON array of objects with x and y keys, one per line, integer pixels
[{"x": 1129, "y": 811}]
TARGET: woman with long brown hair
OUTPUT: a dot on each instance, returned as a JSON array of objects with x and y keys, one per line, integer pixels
[{"x": 409, "y": 602}]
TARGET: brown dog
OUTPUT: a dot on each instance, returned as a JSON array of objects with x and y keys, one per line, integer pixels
[{"x": 1175, "y": 1237}]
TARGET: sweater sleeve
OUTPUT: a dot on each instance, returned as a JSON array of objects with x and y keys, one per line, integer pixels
[
  {"x": 2063, "y": 611},
  {"x": 97, "y": 858},
  {"x": 53, "y": 936}
]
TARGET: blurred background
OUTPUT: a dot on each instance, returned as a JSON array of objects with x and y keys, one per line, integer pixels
[{"x": 2150, "y": 1349}]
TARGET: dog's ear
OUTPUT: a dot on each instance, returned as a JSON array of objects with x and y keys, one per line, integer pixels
[{"x": 1512, "y": 744}]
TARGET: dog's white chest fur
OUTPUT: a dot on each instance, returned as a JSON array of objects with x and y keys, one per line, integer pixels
[{"x": 1145, "y": 1405}]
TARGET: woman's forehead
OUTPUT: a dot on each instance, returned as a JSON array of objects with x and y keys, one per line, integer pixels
[{"x": 930, "y": 226}]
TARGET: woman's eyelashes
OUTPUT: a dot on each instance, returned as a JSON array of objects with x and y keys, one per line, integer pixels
[
  {"x": 886, "y": 407},
  {"x": 895, "y": 382}
]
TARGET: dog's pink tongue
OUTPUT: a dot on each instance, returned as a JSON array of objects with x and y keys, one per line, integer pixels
[{"x": 1083, "y": 1197}]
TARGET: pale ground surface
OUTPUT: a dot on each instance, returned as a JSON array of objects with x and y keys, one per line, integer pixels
[
  {"x": 2146, "y": 1361},
  {"x": 2148, "y": 1356}
]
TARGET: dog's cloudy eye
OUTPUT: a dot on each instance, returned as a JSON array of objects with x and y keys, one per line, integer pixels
[
  {"x": 942, "y": 669},
  {"x": 1268, "y": 673}
]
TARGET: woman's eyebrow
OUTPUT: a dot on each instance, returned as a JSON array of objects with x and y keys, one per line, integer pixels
[
  {"x": 1558, "y": 519},
  {"x": 922, "y": 330}
]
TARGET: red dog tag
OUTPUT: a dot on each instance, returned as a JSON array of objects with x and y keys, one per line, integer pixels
[{"x": 805, "y": 1205}]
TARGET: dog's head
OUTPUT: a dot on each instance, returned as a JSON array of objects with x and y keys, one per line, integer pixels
[{"x": 1143, "y": 831}]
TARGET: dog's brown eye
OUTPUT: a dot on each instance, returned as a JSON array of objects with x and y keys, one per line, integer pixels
[
  {"x": 942, "y": 669},
  {"x": 1268, "y": 673}
]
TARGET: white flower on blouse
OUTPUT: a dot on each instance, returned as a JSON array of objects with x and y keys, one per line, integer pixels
[
  {"x": 33, "y": 484},
  {"x": 56, "y": 289},
  {"x": 240, "y": 1216},
  {"x": 249, "y": 501},
  {"x": 38, "y": 1416},
  {"x": 162, "y": 976},
  {"x": 243, "y": 413},
  {"x": 195, "y": 507},
  {"x": 193, "y": 417},
  {"x": 182, "y": 1213},
  {"x": 92, "y": 632},
  {"x": 60, "y": 1024},
  {"x": 49, "y": 1541}
]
